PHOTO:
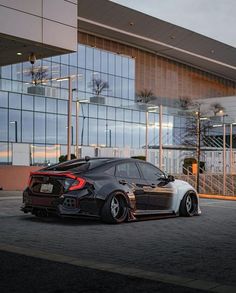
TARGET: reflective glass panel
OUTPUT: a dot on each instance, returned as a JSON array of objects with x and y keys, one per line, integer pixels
[
  {"x": 4, "y": 99},
  {"x": 3, "y": 125},
  {"x": 81, "y": 56},
  {"x": 51, "y": 128},
  {"x": 27, "y": 102},
  {"x": 14, "y": 100},
  {"x": 39, "y": 104},
  {"x": 27, "y": 126},
  {"x": 39, "y": 127}
]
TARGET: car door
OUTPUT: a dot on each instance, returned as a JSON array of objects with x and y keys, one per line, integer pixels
[
  {"x": 160, "y": 194},
  {"x": 129, "y": 173}
]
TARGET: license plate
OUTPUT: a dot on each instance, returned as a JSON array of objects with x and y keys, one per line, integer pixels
[{"x": 46, "y": 188}]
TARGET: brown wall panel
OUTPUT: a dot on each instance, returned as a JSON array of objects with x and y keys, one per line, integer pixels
[{"x": 165, "y": 77}]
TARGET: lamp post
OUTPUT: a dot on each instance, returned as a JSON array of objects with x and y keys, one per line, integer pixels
[
  {"x": 198, "y": 148},
  {"x": 151, "y": 109},
  {"x": 77, "y": 126},
  {"x": 77, "y": 129},
  {"x": 160, "y": 136},
  {"x": 69, "y": 134},
  {"x": 16, "y": 130},
  {"x": 146, "y": 137}
]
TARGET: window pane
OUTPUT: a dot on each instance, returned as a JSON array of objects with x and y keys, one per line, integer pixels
[
  {"x": 39, "y": 127},
  {"x": 81, "y": 56},
  {"x": 6, "y": 71},
  {"x": 73, "y": 59},
  {"x": 97, "y": 60},
  {"x": 81, "y": 80},
  {"x": 128, "y": 170},
  {"x": 62, "y": 130},
  {"x": 39, "y": 104},
  {"x": 89, "y": 58},
  {"x": 132, "y": 68},
  {"x": 3, "y": 124},
  {"x": 4, "y": 154},
  {"x": 51, "y": 128},
  {"x": 104, "y": 63},
  {"x": 102, "y": 133},
  {"x": 119, "y": 134},
  {"x": 51, "y": 105},
  {"x": 62, "y": 106},
  {"x": 150, "y": 172},
  {"x": 65, "y": 58},
  {"x": 93, "y": 112},
  {"x": 14, "y": 125},
  {"x": 125, "y": 88},
  {"x": 127, "y": 134},
  {"x": 52, "y": 154},
  {"x": 118, "y": 87},
  {"x": 111, "y": 114},
  {"x": 4, "y": 99},
  {"x": 27, "y": 102},
  {"x": 135, "y": 135},
  {"x": 125, "y": 67},
  {"x": 15, "y": 100},
  {"x": 119, "y": 114},
  {"x": 17, "y": 71},
  {"x": 93, "y": 124},
  {"x": 111, "y": 63},
  {"x": 27, "y": 126},
  {"x": 38, "y": 152},
  {"x": 102, "y": 112},
  {"x": 118, "y": 65}
]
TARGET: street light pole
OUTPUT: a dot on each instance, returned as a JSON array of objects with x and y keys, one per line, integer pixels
[
  {"x": 16, "y": 132},
  {"x": 231, "y": 148},
  {"x": 77, "y": 128},
  {"x": 69, "y": 118},
  {"x": 198, "y": 148},
  {"x": 146, "y": 137},
  {"x": 224, "y": 157},
  {"x": 160, "y": 137}
]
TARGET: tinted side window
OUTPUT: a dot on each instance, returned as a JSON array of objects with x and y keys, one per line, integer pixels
[
  {"x": 127, "y": 170},
  {"x": 150, "y": 172},
  {"x": 110, "y": 171}
]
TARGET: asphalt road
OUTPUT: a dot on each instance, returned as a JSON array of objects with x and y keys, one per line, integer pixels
[{"x": 171, "y": 255}]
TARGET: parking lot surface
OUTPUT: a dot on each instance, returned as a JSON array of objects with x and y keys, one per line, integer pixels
[{"x": 168, "y": 255}]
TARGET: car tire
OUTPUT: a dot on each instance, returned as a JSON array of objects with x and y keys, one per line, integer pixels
[
  {"x": 189, "y": 205},
  {"x": 115, "y": 209}
]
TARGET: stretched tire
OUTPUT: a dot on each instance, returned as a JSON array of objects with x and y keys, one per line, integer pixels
[
  {"x": 115, "y": 209},
  {"x": 189, "y": 205}
]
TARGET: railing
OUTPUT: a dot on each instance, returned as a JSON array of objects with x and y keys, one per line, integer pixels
[{"x": 210, "y": 183}]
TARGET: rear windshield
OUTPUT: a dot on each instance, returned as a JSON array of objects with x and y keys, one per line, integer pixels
[{"x": 77, "y": 166}]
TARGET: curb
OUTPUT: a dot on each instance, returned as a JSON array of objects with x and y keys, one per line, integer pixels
[{"x": 220, "y": 197}]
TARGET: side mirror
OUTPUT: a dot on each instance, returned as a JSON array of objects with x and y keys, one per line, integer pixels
[{"x": 171, "y": 178}]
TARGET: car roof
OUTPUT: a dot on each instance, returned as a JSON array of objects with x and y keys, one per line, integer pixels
[{"x": 87, "y": 159}]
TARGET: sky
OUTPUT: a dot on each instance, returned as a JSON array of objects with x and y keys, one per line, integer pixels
[{"x": 213, "y": 18}]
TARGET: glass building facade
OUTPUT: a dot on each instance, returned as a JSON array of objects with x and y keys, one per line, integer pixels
[
  {"x": 37, "y": 114},
  {"x": 109, "y": 117}
]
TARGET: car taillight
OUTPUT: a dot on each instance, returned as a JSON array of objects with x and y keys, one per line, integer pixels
[{"x": 78, "y": 184}]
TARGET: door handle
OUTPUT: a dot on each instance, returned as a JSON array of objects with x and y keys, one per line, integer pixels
[{"x": 122, "y": 181}]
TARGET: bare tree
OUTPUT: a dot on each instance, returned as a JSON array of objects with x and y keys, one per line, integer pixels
[
  {"x": 217, "y": 108},
  {"x": 38, "y": 74},
  {"x": 98, "y": 85}
]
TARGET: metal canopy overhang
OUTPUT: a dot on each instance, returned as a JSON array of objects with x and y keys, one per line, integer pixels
[{"x": 110, "y": 20}]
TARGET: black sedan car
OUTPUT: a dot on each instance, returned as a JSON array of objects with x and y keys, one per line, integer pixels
[{"x": 112, "y": 189}]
